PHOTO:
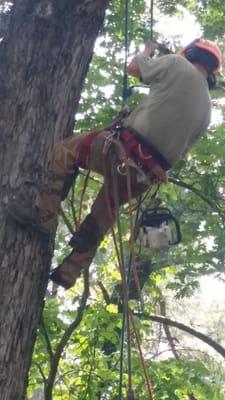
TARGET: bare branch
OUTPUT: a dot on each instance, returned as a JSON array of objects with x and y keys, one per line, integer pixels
[
  {"x": 104, "y": 292},
  {"x": 65, "y": 338},
  {"x": 41, "y": 372},
  {"x": 199, "y": 193},
  {"x": 169, "y": 337},
  {"x": 162, "y": 320},
  {"x": 47, "y": 341},
  {"x": 66, "y": 221}
]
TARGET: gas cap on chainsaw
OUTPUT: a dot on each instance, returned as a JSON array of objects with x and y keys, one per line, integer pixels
[{"x": 158, "y": 228}]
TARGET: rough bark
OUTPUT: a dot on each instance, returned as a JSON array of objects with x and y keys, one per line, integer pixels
[{"x": 44, "y": 58}]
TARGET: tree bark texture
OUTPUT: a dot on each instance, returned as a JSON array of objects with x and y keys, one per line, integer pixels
[{"x": 44, "y": 58}]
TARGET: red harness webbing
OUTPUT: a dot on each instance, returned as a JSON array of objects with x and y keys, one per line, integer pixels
[
  {"x": 84, "y": 148},
  {"x": 134, "y": 149}
]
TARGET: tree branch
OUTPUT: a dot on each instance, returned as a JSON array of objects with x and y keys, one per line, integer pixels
[
  {"x": 105, "y": 294},
  {"x": 169, "y": 337},
  {"x": 192, "y": 189},
  {"x": 70, "y": 227},
  {"x": 162, "y": 320},
  {"x": 64, "y": 340},
  {"x": 41, "y": 372},
  {"x": 46, "y": 337}
]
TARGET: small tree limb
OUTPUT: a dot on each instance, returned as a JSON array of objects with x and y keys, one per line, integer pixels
[
  {"x": 70, "y": 227},
  {"x": 199, "y": 193},
  {"x": 64, "y": 340},
  {"x": 46, "y": 337},
  {"x": 169, "y": 337},
  {"x": 206, "y": 339}
]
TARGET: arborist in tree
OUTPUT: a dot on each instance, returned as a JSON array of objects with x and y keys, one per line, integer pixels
[{"x": 156, "y": 134}]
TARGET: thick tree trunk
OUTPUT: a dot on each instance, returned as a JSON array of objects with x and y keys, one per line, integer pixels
[{"x": 44, "y": 58}]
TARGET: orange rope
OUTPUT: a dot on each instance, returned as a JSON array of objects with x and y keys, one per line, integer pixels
[
  {"x": 134, "y": 269},
  {"x": 129, "y": 193},
  {"x": 123, "y": 278},
  {"x": 108, "y": 204},
  {"x": 122, "y": 272}
]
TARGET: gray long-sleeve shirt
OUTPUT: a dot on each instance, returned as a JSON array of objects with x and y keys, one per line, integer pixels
[{"x": 177, "y": 111}]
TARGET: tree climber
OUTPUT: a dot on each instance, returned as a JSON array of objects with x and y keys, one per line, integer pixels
[{"x": 157, "y": 133}]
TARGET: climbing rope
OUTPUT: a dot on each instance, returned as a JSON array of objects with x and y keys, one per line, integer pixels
[
  {"x": 123, "y": 275},
  {"x": 152, "y": 19},
  {"x": 120, "y": 255},
  {"x": 131, "y": 266},
  {"x": 119, "y": 149},
  {"x": 126, "y": 51}
]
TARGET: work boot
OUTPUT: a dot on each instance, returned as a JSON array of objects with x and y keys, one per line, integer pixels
[
  {"x": 86, "y": 242},
  {"x": 67, "y": 273},
  {"x": 39, "y": 206}
]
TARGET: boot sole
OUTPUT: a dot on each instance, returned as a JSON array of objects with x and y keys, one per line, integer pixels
[{"x": 55, "y": 278}]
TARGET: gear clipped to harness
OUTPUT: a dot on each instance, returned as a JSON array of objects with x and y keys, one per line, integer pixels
[{"x": 158, "y": 228}]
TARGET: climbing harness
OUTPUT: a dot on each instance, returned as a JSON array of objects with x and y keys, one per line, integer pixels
[
  {"x": 147, "y": 162},
  {"x": 158, "y": 228},
  {"x": 143, "y": 153}
]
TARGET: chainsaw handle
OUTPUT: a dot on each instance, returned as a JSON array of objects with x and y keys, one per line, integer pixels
[
  {"x": 179, "y": 235},
  {"x": 167, "y": 216}
]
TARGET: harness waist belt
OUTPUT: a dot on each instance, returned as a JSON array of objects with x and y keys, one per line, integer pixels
[
  {"x": 158, "y": 157},
  {"x": 142, "y": 155}
]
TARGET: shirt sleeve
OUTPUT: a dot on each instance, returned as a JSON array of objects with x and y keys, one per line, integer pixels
[{"x": 152, "y": 69}]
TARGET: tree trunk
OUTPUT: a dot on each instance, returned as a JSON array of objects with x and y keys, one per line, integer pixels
[{"x": 44, "y": 58}]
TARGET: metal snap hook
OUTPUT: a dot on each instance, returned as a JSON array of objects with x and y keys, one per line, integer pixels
[{"x": 121, "y": 169}]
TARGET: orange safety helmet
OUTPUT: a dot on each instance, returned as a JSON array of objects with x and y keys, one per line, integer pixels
[{"x": 209, "y": 47}]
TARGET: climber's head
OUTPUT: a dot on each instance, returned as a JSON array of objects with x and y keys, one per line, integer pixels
[{"x": 205, "y": 53}]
